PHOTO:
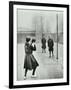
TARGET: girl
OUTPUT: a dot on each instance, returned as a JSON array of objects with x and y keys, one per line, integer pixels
[
  {"x": 34, "y": 62},
  {"x": 29, "y": 62}
]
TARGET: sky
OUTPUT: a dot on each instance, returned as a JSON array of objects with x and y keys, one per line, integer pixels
[{"x": 31, "y": 20}]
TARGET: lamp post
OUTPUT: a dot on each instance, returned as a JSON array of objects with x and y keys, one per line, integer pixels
[
  {"x": 57, "y": 34},
  {"x": 41, "y": 20}
]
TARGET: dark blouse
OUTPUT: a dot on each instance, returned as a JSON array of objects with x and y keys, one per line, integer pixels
[
  {"x": 29, "y": 48},
  {"x": 50, "y": 43}
]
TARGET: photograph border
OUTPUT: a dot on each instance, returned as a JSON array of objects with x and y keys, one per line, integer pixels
[{"x": 11, "y": 4}]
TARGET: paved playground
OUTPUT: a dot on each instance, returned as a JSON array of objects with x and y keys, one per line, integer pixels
[{"x": 49, "y": 68}]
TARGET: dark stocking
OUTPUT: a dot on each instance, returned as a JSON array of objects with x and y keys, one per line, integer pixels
[
  {"x": 26, "y": 72},
  {"x": 50, "y": 53},
  {"x": 33, "y": 73}
]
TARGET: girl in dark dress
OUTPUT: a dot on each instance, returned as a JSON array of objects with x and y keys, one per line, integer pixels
[
  {"x": 43, "y": 41},
  {"x": 50, "y": 45},
  {"x": 34, "y": 61},
  {"x": 29, "y": 62}
]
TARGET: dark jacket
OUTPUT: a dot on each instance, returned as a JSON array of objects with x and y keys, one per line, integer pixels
[
  {"x": 27, "y": 48},
  {"x": 43, "y": 41},
  {"x": 50, "y": 44}
]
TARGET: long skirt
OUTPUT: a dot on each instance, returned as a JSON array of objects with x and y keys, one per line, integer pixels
[{"x": 30, "y": 62}]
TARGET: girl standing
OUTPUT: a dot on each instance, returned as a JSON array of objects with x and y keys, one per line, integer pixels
[
  {"x": 30, "y": 62},
  {"x": 34, "y": 62}
]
